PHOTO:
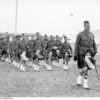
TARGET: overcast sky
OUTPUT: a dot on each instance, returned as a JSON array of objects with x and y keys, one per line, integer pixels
[{"x": 49, "y": 16}]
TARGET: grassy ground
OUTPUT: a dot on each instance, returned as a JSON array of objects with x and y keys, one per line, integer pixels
[{"x": 56, "y": 83}]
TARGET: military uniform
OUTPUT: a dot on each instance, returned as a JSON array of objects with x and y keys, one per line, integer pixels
[
  {"x": 50, "y": 48},
  {"x": 1, "y": 46},
  {"x": 57, "y": 50},
  {"x": 66, "y": 47},
  {"x": 45, "y": 42},
  {"x": 85, "y": 43},
  {"x": 30, "y": 49},
  {"x": 38, "y": 48},
  {"x": 10, "y": 49},
  {"x": 17, "y": 49}
]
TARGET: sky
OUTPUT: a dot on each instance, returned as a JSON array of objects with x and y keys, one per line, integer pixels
[{"x": 49, "y": 16}]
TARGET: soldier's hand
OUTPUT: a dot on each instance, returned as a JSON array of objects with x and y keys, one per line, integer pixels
[{"x": 75, "y": 58}]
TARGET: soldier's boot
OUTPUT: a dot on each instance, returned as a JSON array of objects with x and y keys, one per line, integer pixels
[
  {"x": 44, "y": 63},
  {"x": 85, "y": 84},
  {"x": 29, "y": 63},
  {"x": 33, "y": 65},
  {"x": 49, "y": 67},
  {"x": 18, "y": 65},
  {"x": 53, "y": 63},
  {"x": 79, "y": 80},
  {"x": 36, "y": 67},
  {"x": 6, "y": 59},
  {"x": 22, "y": 67},
  {"x": 9, "y": 60},
  {"x": 57, "y": 64},
  {"x": 65, "y": 67},
  {"x": 15, "y": 64}
]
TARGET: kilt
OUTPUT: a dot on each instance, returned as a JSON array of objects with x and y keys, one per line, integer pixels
[
  {"x": 54, "y": 54},
  {"x": 81, "y": 62},
  {"x": 63, "y": 54},
  {"x": 4, "y": 52},
  {"x": 28, "y": 54},
  {"x": 18, "y": 56},
  {"x": 39, "y": 57}
]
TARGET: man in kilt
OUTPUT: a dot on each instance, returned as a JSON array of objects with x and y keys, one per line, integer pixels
[
  {"x": 38, "y": 50},
  {"x": 85, "y": 45},
  {"x": 57, "y": 50},
  {"x": 50, "y": 52},
  {"x": 66, "y": 52},
  {"x": 1, "y": 47}
]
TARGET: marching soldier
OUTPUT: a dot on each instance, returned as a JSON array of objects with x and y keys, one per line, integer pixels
[
  {"x": 85, "y": 45},
  {"x": 1, "y": 46},
  {"x": 45, "y": 42},
  {"x": 38, "y": 49},
  {"x": 66, "y": 52},
  {"x": 50, "y": 53},
  {"x": 57, "y": 50}
]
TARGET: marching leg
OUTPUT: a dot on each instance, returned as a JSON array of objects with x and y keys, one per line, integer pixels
[
  {"x": 79, "y": 79},
  {"x": 85, "y": 84}
]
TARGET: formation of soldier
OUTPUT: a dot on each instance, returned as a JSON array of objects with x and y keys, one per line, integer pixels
[
  {"x": 47, "y": 51},
  {"x": 35, "y": 51}
]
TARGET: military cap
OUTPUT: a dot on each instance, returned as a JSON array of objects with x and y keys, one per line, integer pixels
[
  {"x": 86, "y": 22},
  {"x": 66, "y": 37}
]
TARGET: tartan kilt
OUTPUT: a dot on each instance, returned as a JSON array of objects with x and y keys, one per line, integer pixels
[
  {"x": 34, "y": 56},
  {"x": 81, "y": 62},
  {"x": 18, "y": 55},
  {"x": 54, "y": 54},
  {"x": 4, "y": 52},
  {"x": 29, "y": 54},
  {"x": 63, "y": 54}
]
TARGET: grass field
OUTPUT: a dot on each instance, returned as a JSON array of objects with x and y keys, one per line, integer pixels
[{"x": 56, "y": 83}]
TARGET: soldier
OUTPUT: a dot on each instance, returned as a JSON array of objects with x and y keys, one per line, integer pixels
[
  {"x": 10, "y": 51},
  {"x": 1, "y": 47},
  {"x": 17, "y": 50},
  {"x": 22, "y": 52},
  {"x": 38, "y": 49},
  {"x": 50, "y": 47},
  {"x": 45, "y": 42},
  {"x": 6, "y": 48},
  {"x": 3, "y": 44},
  {"x": 30, "y": 51},
  {"x": 66, "y": 52},
  {"x": 85, "y": 45},
  {"x": 57, "y": 50}
]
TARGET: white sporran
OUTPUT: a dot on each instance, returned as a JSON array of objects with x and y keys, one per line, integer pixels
[{"x": 89, "y": 63}]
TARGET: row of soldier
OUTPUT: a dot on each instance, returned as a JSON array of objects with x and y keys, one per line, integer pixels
[{"x": 21, "y": 51}]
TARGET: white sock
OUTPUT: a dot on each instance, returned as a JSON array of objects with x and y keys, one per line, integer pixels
[
  {"x": 65, "y": 67},
  {"x": 85, "y": 83},
  {"x": 48, "y": 67},
  {"x": 23, "y": 68},
  {"x": 79, "y": 79}
]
